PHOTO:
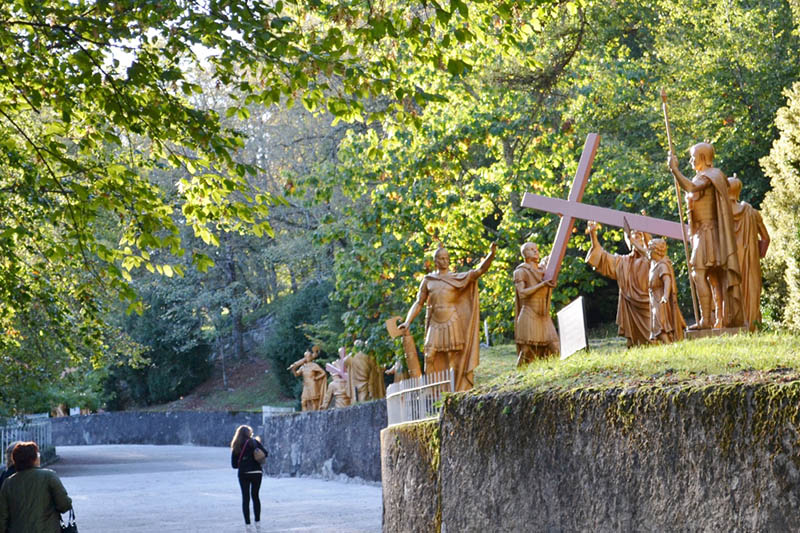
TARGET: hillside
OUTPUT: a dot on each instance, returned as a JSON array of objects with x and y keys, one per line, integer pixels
[{"x": 251, "y": 383}]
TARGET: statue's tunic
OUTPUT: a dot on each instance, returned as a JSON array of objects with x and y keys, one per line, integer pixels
[
  {"x": 711, "y": 230},
  {"x": 633, "y": 308},
  {"x": 533, "y": 325},
  {"x": 748, "y": 227},
  {"x": 664, "y": 317},
  {"x": 451, "y": 321}
]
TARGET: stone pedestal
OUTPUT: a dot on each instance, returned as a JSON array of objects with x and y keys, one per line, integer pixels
[{"x": 713, "y": 332}]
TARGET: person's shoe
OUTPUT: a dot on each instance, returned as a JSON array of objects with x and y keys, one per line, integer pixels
[
  {"x": 258, "y": 527},
  {"x": 248, "y": 528}
]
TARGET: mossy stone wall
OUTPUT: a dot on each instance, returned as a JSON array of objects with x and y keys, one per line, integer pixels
[{"x": 716, "y": 458}]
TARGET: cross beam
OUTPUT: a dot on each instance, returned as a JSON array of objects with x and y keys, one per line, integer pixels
[
  {"x": 603, "y": 215},
  {"x": 572, "y": 209}
]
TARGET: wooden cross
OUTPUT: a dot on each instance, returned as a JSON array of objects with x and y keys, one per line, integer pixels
[{"x": 572, "y": 208}]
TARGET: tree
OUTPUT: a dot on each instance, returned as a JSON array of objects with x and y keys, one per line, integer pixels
[
  {"x": 782, "y": 165},
  {"x": 94, "y": 98}
]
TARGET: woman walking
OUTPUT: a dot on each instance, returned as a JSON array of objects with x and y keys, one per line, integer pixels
[
  {"x": 32, "y": 500},
  {"x": 243, "y": 448}
]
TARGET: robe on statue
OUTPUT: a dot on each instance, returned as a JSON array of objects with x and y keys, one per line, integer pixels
[
  {"x": 468, "y": 318},
  {"x": 748, "y": 224},
  {"x": 666, "y": 318},
  {"x": 631, "y": 272},
  {"x": 533, "y": 325}
]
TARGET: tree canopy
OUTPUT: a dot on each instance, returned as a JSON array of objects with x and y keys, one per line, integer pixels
[{"x": 133, "y": 140}]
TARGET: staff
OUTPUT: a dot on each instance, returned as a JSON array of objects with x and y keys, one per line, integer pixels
[{"x": 680, "y": 208}]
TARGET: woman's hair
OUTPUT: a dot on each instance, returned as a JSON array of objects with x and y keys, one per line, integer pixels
[
  {"x": 9, "y": 449},
  {"x": 25, "y": 455},
  {"x": 240, "y": 437}
]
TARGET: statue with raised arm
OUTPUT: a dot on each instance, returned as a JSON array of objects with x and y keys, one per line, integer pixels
[
  {"x": 534, "y": 332},
  {"x": 752, "y": 241},
  {"x": 714, "y": 264},
  {"x": 314, "y": 380},
  {"x": 451, "y": 317},
  {"x": 631, "y": 272}
]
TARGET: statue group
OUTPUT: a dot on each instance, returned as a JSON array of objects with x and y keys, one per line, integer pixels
[
  {"x": 727, "y": 237},
  {"x": 355, "y": 377}
]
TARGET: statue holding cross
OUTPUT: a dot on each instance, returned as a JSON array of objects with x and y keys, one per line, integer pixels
[{"x": 631, "y": 271}]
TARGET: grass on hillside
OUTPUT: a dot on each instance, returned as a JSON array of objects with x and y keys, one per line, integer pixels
[
  {"x": 250, "y": 384},
  {"x": 740, "y": 358}
]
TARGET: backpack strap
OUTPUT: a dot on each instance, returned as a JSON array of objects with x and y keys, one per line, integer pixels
[{"x": 241, "y": 454}]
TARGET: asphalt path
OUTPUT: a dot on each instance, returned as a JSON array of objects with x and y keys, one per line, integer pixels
[{"x": 193, "y": 489}]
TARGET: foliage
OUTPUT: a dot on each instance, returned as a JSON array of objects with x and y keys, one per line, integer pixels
[
  {"x": 515, "y": 122},
  {"x": 95, "y": 97},
  {"x": 781, "y": 217},
  {"x": 288, "y": 342},
  {"x": 175, "y": 352}
]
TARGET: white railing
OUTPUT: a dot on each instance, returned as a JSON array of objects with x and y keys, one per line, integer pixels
[
  {"x": 418, "y": 398},
  {"x": 39, "y": 431}
]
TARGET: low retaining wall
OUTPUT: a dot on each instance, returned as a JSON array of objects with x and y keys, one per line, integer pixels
[
  {"x": 322, "y": 443},
  {"x": 719, "y": 458},
  {"x": 327, "y": 443},
  {"x": 137, "y": 427}
]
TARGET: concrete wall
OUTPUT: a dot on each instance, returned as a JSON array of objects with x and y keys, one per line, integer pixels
[
  {"x": 717, "y": 458},
  {"x": 325, "y": 443}
]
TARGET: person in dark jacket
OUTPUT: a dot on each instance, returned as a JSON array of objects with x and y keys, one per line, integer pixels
[
  {"x": 9, "y": 470},
  {"x": 243, "y": 446},
  {"x": 32, "y": 500}
]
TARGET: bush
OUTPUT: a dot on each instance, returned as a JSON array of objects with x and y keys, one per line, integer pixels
[
  {"x": 782, "y": 218},
  {"x": 288, "y": 341}
]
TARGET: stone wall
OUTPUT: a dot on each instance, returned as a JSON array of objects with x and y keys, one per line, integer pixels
[
  {"x": 324, "y": 443},
  {"x": 718, "y": 458},
  {"x": 137, "y": 427},
  {"x": 327, "y": 443}
]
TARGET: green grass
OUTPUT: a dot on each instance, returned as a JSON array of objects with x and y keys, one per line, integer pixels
[
  {"x": 740, "y": 358},
  {"x": 247, "y": 398}
]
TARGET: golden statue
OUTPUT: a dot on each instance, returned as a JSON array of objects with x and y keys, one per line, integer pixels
[
  {"x": 338, "y": 393},
  {"x": 631, "y": 272},
  {"x": 752, "y": 241},
  {"x": 714, "y": 263},
  {"x": 534, "y": 332},
  {"x": 364, "y": 378},
  {"x": 314, "y": 380},
  {"x": 451, "y": 317},
  {"x": 666, "y": 321}
]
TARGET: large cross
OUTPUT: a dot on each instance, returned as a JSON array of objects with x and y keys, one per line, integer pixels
[{"x": 572, "y": 208}]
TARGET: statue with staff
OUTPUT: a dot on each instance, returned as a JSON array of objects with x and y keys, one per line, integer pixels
[{"x": 713, "y": 265}]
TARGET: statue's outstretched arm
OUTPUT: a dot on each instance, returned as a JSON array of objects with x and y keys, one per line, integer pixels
[{"x": 487, "y": 261}]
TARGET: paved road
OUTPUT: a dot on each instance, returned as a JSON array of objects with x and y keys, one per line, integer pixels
[{"x": 193, "y": 489}]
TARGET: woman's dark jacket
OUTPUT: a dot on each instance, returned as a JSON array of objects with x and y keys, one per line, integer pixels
[{"x": 248, "y": 462}]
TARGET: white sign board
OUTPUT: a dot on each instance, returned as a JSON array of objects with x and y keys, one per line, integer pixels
[{"x": 572, "y": 328}]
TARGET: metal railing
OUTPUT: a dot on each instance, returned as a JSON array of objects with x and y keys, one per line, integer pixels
[
  {"x": 39, "y": 431},
  {"x": 418, "y": 398}
]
